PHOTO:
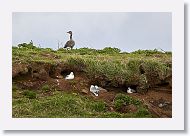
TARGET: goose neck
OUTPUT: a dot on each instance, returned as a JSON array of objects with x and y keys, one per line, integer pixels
[{"x": 71, "y": 36}]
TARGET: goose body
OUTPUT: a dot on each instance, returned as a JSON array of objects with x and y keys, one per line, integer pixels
[
  {"x": 70, "y": 44},
  {"x": 70, "y": 76}
]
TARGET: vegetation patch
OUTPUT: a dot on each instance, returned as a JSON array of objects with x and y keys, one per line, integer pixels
[
  {"x": 122, "y": 100},
  {"x": 30, "y": 94},
  {"x": 62, "y": 105},
  {"x": 39, "y": 72}
]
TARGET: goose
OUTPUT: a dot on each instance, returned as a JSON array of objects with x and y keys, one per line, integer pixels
[
  {"x": 70, "y": 44},
  {"x": 94, "y": 90},
  {"x": 70, "y": 76},
  {"x": 129, "y": 90}
]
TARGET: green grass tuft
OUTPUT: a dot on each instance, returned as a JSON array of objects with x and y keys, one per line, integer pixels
[
  {"x": 125, "y": 100},
  {"x": 30, "y": 94}
]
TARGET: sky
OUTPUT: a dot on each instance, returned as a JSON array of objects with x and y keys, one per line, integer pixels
[{"x": 128, "y": 31}]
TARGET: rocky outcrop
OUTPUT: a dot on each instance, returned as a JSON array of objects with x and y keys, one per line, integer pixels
[{"x": 19, "y": 69}]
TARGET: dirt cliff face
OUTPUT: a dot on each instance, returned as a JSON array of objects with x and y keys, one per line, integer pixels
[
  {"x": 44, "y": 72},
  {"x": 35, "y": 75},
  {"x": 150, "y": 76}
]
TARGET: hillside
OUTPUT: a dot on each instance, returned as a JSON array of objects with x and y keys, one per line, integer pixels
[{"x": 40, "y": 88}]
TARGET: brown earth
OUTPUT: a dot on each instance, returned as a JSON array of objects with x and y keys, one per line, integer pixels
[{"x": 158, "y": 99}]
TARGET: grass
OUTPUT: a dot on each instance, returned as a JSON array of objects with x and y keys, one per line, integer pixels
[
  {"x": 66, "y": 105},
  {"x": 124, "y": 100},
  {"x": 40, "y": 54},
  {"x": 108, "y": 65},
  {"x": 30, "y": 94},
  {"x": 109, "y": 61},
  {"x": 46, "y": 88}
]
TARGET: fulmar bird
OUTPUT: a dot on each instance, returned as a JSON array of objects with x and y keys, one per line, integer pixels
[
  {"x": 129, "y": 90},
  {"x": 94, "y": 89},
  {"x": 70, "y": 76},
  {"x": 71, "y": 42}
]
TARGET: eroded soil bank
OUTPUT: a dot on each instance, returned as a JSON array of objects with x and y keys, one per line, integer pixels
[{"x": 35, "y": 75}]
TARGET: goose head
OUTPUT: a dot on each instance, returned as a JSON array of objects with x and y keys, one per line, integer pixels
[{"x": 70, "y": 32}]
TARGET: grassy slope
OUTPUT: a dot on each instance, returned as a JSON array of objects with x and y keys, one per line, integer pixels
[
  {"x": 67, "y": 105},
  {"x": 115, "y": 66}
]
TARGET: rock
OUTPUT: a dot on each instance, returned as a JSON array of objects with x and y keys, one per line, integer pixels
[
  {"x": 55, "y": 71},
  {"x": 143, "y": 84},
  {"x": 132, "y": 108},
  {"x": 59, "y": 77},
  {"x": 169, "y": 80},
  {"x": 25, "y": 71},
  {"x": 164, "y": 116},
  {"x": 74, "y": 93},
  {"x": 151, "y": 101},
  {"x": 102, "y": 90},
  {"x": 57, "y": 82},
  {"x": 84, "y": 91},
  {"x": 111, "y": 109},
  {"x": 160, "y": 105},
  {"x": 41, "y": 74},
  {"x": 19, "y": 69}
]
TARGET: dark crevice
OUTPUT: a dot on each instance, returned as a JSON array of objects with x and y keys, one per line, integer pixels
[
  {"x": 65, "y": 72},
  {"x": 164, "y": 84},
  {"x": 22, "y": 76},
  {"x": 35, "y": 71}
]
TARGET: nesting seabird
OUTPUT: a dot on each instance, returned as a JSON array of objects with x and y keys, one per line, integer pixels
[
  {"x": 70, "y": 76},
  {"x": 129, "y": 90},
  {"x": 94, "y": 89}
]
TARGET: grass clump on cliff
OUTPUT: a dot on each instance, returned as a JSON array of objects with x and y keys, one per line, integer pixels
[
  {"x": 106, "y": 67},
  {"x": 124, "y": 100},
  {"x": 66, "y": 105},
  {"x": 109, "y": 64}
]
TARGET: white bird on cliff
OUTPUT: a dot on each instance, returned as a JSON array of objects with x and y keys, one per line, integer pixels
[
  {"x": 70, "y": 76},
  {"x": 94, "y": 89},
  {"x": 129, "y": 90}
]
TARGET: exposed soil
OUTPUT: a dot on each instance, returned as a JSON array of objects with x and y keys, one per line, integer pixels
[{"x": 158, "y": 99}]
